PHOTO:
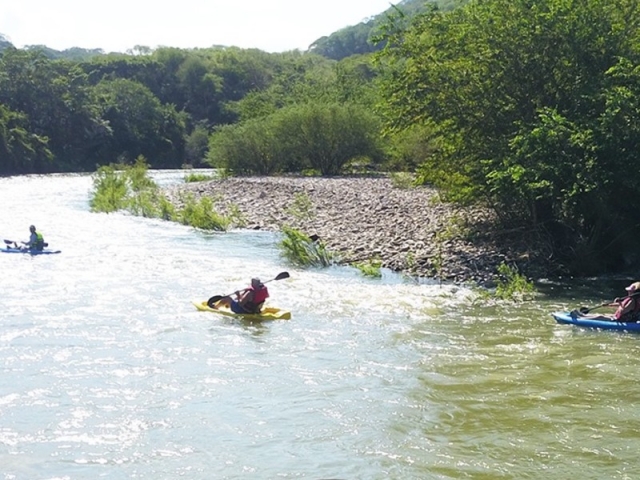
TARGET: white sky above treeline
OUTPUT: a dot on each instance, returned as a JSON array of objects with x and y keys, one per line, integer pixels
[{"x": 121, "y": 25}]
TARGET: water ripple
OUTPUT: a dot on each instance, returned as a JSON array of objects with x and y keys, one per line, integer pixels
[{"x": 108, "y": 370}]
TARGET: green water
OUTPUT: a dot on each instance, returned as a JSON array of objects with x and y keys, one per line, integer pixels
[{"x": 109, "y": 371}]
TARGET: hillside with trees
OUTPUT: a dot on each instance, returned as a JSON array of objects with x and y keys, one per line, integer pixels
[{"x": 368, "y": 36}]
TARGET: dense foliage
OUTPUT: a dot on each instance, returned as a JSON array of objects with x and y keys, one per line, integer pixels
[
  {"x": 536, "y": 108},
  {"x": 303, "y": 251},
  {"x": 318, "y": 137},
  {"x": 62, "y": 115}
]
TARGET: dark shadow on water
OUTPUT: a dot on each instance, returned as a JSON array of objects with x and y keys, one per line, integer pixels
[{"x": 599, "y": 289}]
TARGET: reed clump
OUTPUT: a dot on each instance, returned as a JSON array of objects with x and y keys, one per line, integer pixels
[
  {"x": 304, "y": 251},
  {"x": 370, "y": 268},
  {"x": 128, "y": 187}
]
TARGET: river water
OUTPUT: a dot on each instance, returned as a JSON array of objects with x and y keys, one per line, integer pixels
[{"x": 108, "y": 370}]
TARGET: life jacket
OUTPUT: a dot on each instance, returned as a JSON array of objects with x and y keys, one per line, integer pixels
[
  {"x": 260, "y": 294},
  {"x": 39, "y": 245},
  {"x": 631, "y": 316}
]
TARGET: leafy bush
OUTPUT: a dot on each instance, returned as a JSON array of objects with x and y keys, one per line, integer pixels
[
  {"x": 166, "y": 209},
  {"x": 302, "y": 251},
  {"x": 202, "y": 215},
  {"x": 124, "y": 187},
  {"x": 144, "y": 204},
  {"x": 109, "y": 190},
  {"x": 370, "y": 268},
  {"x": 511, "y": 284},
  {"x": 322, "y": 137}
]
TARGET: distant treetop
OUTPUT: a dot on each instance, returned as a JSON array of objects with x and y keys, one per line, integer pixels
[{"x": 358, "y": 39}]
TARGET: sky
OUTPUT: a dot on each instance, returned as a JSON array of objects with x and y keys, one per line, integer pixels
[{"x": 121, "y": 25}]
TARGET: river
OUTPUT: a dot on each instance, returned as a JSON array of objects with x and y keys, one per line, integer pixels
[{"x": 108, "y": 370}]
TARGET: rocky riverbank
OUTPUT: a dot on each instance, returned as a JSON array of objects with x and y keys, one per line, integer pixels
[{"x": 359, "y": 218}]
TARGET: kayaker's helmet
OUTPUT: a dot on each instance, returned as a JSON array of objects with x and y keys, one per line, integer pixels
[
  {"x": 256, "y": 283},
  {"x": 634, "y": 287},
  {"x": 32, "y": 228}
]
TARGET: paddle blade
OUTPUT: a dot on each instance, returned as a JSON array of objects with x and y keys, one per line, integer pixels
[
  {"x": 9, "y": 242},
  {"x": 213, "y": 300},
  {"x": 282, "y": 276}
]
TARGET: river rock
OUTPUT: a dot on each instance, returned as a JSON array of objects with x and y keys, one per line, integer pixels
[{"x": 363, "y": 218}]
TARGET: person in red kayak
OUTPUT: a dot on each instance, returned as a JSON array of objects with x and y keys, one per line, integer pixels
[
  {"x": 249, "y": 300},
  {"x": 629, "y": 306}
]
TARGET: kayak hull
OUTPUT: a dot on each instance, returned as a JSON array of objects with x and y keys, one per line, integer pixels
[
  {"x": 598, "y": 322},
  {"x": 267, "y": 313},
  {"x": 29, "y": 252}
]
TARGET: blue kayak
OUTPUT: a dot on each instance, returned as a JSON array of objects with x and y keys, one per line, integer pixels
[
  {"x": 46, "y": 251},
  {"x": 600, "y": 321}
]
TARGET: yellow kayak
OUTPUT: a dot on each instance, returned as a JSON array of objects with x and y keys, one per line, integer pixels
[{"x": 267, "y": 313}]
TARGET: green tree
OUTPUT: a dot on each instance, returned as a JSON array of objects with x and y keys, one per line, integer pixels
[
  {"x": 247, "y": 148},
  {"x": 196, "y": 146},
  {"x": 141, "y": 125},
  {"x": 330, "y": 135},
  {"x": 54, "y": 98},
  {"x": 20, "y": 151},
  {"x": 524, "y": 97},
  {"x": 294, "y": 78},
  {"x": 201, "y": 89},
  {"x": 323, "y": 137}
]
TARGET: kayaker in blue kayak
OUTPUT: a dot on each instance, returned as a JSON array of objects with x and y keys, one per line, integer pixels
[
  {"x": 36, "y": 240},
  {"x": 629, "y": 306},
  {"x": 249, "y": 300}
]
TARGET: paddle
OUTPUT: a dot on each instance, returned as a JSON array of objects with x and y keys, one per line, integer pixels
[
  {"x": 216, "y": 298},
  {"x": 11, "y": 242},
  {"x": 585, "y": 310},
  {"x": 15, "y": 244}
]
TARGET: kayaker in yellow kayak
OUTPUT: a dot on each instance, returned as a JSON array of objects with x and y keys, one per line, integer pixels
[{"x": 249, "y": 300}]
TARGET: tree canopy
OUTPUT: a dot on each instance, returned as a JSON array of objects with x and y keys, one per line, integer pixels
[
  {"x": 365, "y": 36},
  {"x": 536, "y": 105}
]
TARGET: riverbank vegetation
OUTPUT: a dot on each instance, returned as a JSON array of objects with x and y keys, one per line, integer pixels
[
  {"x": 304, "y": 251},
  {"x": 129, "y": 188},
  {"x": 531, "y": 110}
]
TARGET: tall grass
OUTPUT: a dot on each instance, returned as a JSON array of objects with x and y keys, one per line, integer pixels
[
  {"x": 110, "y": 190},
  {"x": 512, "y": 285},
  {"x": 129, "y": 188},
  {"x": 370, "y": 268},
  {"x": 201, "y": 214},
  {"x": 301, "y": 251}
]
